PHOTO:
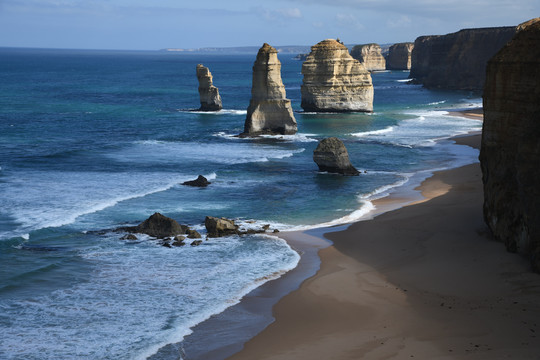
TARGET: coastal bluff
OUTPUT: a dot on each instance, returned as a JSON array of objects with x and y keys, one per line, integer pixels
[
  {"x": 208, "y": 93},
  {"x": 458, "y": 60},
  {"x": 334, "y": 81},
  {"x": 370, "y": 55},
  {"x": 269, "y": 111},
  {"x": 399, "y": 56},
  {"x": 510, "y": 151}
]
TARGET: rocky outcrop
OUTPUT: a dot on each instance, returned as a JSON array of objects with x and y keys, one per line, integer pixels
[
  {"x": 457, "y": 60},
  {"x": 399, "y": 56},
  {"x": 209, "y": 94},
  {"x": 157, "y": 225},
  {"x": 370, "y": 55},
  {"x": 201, "y": 181},
  {"x": 331, "y": 156},
  {"x": 510, "y": 152},
  {"x": 216, "y": 227},
  {"x": 269, "y": 112},
  {"x": 334, "y": 81}
]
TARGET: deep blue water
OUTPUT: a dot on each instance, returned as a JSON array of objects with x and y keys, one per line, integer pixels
[{"x": 94, "y": 140}]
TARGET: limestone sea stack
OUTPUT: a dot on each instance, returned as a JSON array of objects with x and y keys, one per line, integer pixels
[
  {"x": 370, "y": 55},
  {"x": 209, "y": 94},
  {"x": 458, "y": 60},
  {"x": 399, "y": 56},
  {"x": 334, "y": 81},
  {"x": 269, "y": 112},
  {"x": 332, "y": 156},
  {"x": 510, "y": 151}
]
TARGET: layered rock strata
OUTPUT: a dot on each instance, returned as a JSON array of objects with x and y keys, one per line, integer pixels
[
  {"x": 208, "y": 93},
  {"x": 510, "y": 152},
  {"x": 399, "y": 56},
  {"x": 332, "y": 156},
  {"x": 269, "y": 112},
  {"x": 457, "y": 60},
  {"x": 370, "y": 55},
  {"x": 334, "y": 81}
]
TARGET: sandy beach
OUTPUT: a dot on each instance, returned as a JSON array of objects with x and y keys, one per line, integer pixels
[{"x": 425, "y": 281}]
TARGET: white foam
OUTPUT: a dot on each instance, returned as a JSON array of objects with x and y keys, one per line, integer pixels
[
  {"x": 219, "y": 112},
  {"x": 374, "y": 132},
  {"x": 171, "y": 152},
  {"x": 385, "y": 190},
  {"x": 404, "y": 80},
  {"x": 437, "y": 102}
]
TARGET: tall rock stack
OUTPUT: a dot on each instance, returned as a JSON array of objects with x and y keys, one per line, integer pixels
[
  {"x": 458, "y": 60},
  {"x": 370, "y": 55},
  {"x": 399, "y": 56},
  {"x": 334, "y": 81},
  {"x": 269, "y": 112},
  {"x": 209, "y": 94},
  {"x": 510, "y": 152}
]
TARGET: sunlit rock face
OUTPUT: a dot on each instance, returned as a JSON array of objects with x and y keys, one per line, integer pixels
[
  {"x": 269, "y": 111},
  {"x": 334, "y": 81},
  {"x": 370, "y": 55},
  {"x": 208, "y": 93}
]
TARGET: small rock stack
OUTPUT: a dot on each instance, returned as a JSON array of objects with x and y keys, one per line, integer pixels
[{"x": 209, "y": 94}]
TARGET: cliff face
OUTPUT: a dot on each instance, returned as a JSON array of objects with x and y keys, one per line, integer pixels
[
  {"x": 370, "y": 55},
  {"x": 334, "y": 81},
  {"x": 269, "y": 112},
  {"x": 399, "y": 56},
  {"x": 208, "y": 93},
  {"x": 510, "y": 152},
  {"x": 457, "y": 60}
]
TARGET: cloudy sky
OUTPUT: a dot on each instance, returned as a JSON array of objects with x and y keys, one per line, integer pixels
[{"x": 157, "y": 24}]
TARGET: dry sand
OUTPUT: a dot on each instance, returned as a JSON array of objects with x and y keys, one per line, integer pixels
[{"x": 425, "y": 281}]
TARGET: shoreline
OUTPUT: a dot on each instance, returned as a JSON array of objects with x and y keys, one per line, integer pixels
[
  {"x": 256, "y": 308},
  {"x": 424, "y": 280}
]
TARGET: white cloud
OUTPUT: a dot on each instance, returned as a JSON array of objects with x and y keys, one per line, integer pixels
[
  {"x": 401, "y": 21},
  {"x": 279, "y": 14},
  {"x": 348, "y": 21}
]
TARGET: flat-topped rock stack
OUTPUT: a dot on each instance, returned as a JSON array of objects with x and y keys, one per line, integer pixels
[
  {"x": 208, "y": 93},
  {"x": 370, "y": 55},
  {"x": 334, "y": 81},
  {"x": 510, "y": 152},
  {"x": 399, "y": 56},
  {"x": 269, "y": 111}
]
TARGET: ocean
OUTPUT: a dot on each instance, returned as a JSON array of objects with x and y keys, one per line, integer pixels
[{"x": 94, "y": 140}]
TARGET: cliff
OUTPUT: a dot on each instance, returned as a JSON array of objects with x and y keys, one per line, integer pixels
[
  {"x": 334, "y": 81},
  {"x": 457, "y": 60},
  {"x": 269, "y": 112},
  {"x": 399, "y": 56},
  {"x": 208, "y": 93},
  {"x": 510, "y": 152},
  {"x": 370, "y": 55}
]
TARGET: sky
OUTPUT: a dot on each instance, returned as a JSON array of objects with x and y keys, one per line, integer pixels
[{"x": 159, "y": 24}]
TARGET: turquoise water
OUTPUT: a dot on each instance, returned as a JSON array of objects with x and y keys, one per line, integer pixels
[{"x": 94, "y": 140}]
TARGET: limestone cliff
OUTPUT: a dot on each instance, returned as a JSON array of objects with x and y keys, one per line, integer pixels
[
  {"x": 334, "y": 81},
  {"x": 510, "y": 152},
  {"x": 370, "y": 55},
  {"x": 269, "y": 112},
  {"x": 399, "y": 56},
  {"x": 457, "y": 60},
  {"x": 208, "y": 93}
]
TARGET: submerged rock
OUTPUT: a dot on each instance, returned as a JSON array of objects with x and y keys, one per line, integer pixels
[
  {"x": 334, "y": 81},
  {"x": 399, "y": 56},
  {"x": 510, "y": 151},
  {"x": 217, "y": 227},
  {"x": 370, "y": 55},
  {"x": 331, "y": 156},
  {"x": 269, "y": 112},
  {"x": 208, "y": 93},
  {"x": 201, "y": 181}
]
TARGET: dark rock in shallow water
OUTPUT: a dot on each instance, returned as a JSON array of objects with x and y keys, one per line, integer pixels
[
  {"x": 331, "y": 155},
  {"x": 158, "y": 226},
  {"x": 217, "y": 227},
  {"x": 196, "y": 243},
  {"x": 129, "y": 237},
  {"x": 193, "y": 234},
  {"x": 201, "y": 181},
  {"x": 510, "y": 152}
]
